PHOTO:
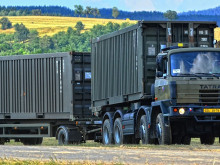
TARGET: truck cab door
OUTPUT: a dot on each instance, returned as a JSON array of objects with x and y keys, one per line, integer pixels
[{"x": 161, "y": 82}]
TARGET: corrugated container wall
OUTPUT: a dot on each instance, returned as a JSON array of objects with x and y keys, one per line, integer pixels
[
  {"x": 123, "y": 62},
  {"x": 39, "y": 87}
]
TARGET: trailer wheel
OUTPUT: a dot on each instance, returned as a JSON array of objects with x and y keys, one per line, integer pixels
[
  {"x": 207, "y": 139},
  {"x": 145, "y": 131},
  {"x": 163, "y": 132},
  {"x": 63, "y": 138},
  {"x": 107, "y": 133},
  {"x": 118, "y": 132}
]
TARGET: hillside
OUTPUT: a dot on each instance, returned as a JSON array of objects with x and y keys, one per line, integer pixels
[
  {"x": 203, "y": 15},
  {"x": 50, "y": 25}
]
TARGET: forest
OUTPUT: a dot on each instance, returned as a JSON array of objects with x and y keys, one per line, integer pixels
[{"x": 25, "y": 41}]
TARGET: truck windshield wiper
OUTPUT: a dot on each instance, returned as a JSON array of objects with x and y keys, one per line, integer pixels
[
  {"x": 211, "y": 74},
  {"x": 190, "y": 74}
]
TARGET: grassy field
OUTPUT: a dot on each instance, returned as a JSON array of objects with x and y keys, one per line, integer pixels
[
  {"x": 195, "y": 144},
  {"x": 49, "y": 25}
]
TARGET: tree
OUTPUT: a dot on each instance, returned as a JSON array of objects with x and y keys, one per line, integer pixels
[
  {"x": 115, "y": 12},
  {"x": 78, "y": 10},
  {"x": 21, "y": 32},
  {"x": 88, "y": 11},
  {"x": 33, "y": 38},
  {"x": 36, "y": 12},
  {"x": 96, "y": 12},
  {"x": 46, "y": 43},
  {"x": 79, "y": 26},
  {"x": 6, "y": 24},
  {"x": 171, "y": 15}
]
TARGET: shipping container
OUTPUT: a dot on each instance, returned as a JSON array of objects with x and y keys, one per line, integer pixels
[
  {"x": 45, "y": 86},
  {"x": 124, "y": 62}
]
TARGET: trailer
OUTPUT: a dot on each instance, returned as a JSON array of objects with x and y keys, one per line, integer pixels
[
  {"x": 43, "y": 95},
  {"x": 150, "y": 83}
]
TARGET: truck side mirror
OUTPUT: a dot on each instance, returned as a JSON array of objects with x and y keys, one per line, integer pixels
[
  {"x": 159, "y": 74},
  {"x": 160, "y": 63}
]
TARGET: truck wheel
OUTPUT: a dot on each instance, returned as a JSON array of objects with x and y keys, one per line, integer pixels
[
  {"x": 118, "y": 132},
  {"x": 63, "y": 138},
  {"x": 163, "y": 132},
  {"x": 39, "y": 141},
  {"x": 207, "y": 139},
  {"x": 107, "y": 133},
  {"x": 145, "y": 131}
]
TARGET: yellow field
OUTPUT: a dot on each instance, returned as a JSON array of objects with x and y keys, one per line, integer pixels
[{"x": 49, "y": 25}]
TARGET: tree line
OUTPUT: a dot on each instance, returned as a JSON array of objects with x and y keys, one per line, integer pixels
[
  {"x": 26, "y": 41},
  {"x": 78, "y": 11}
]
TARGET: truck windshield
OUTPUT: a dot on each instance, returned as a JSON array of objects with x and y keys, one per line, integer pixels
[{"x": 195, "y": 63}]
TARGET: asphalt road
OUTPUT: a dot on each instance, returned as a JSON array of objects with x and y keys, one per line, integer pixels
[{"x": 125, "y": 155}]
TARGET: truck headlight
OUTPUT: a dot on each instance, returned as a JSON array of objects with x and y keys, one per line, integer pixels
[{"x": 182, "y": 111}]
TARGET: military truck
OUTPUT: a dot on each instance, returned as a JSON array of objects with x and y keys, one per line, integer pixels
[
  {"x": 142, "y": 89},
  {"x": 147, "y": 87}
]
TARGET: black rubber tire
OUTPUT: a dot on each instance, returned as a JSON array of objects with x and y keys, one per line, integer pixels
[
  {"x": 118, "y": 132},
  {"x": 39, "y": 141},
  {"x": 145, "y": 131},
  {"x": 163, "y": 132},
  {"x": 107, "y": 132},
  {"x": 63, "y": 138},
  {"x": 207, "y": 139}
]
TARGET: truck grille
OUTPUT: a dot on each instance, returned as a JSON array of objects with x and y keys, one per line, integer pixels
[{"x": 209, "y": 97}]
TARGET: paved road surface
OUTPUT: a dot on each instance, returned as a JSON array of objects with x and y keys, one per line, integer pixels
[{"x": 114, "y": 154}]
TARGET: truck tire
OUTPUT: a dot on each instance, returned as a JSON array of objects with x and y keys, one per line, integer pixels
[
  {"x": 207, "y": 139},
  {"x": 39, "y": 141},
  {"x": 118, "y": 132},
  {"x": 63, "y": 137},
  {"x": 163, "y": 132},
  {"x": 145, "y": 131},
  {"x": 106, "y": 133}
]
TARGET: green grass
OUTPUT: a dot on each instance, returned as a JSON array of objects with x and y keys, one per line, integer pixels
[{"x": 195, "y": 144}]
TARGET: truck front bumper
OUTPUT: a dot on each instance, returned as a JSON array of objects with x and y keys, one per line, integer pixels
[{"x": 199, "y": 113}]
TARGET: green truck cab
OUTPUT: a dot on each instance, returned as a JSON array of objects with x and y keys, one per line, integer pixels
[{"x": 187, "y": 86}]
